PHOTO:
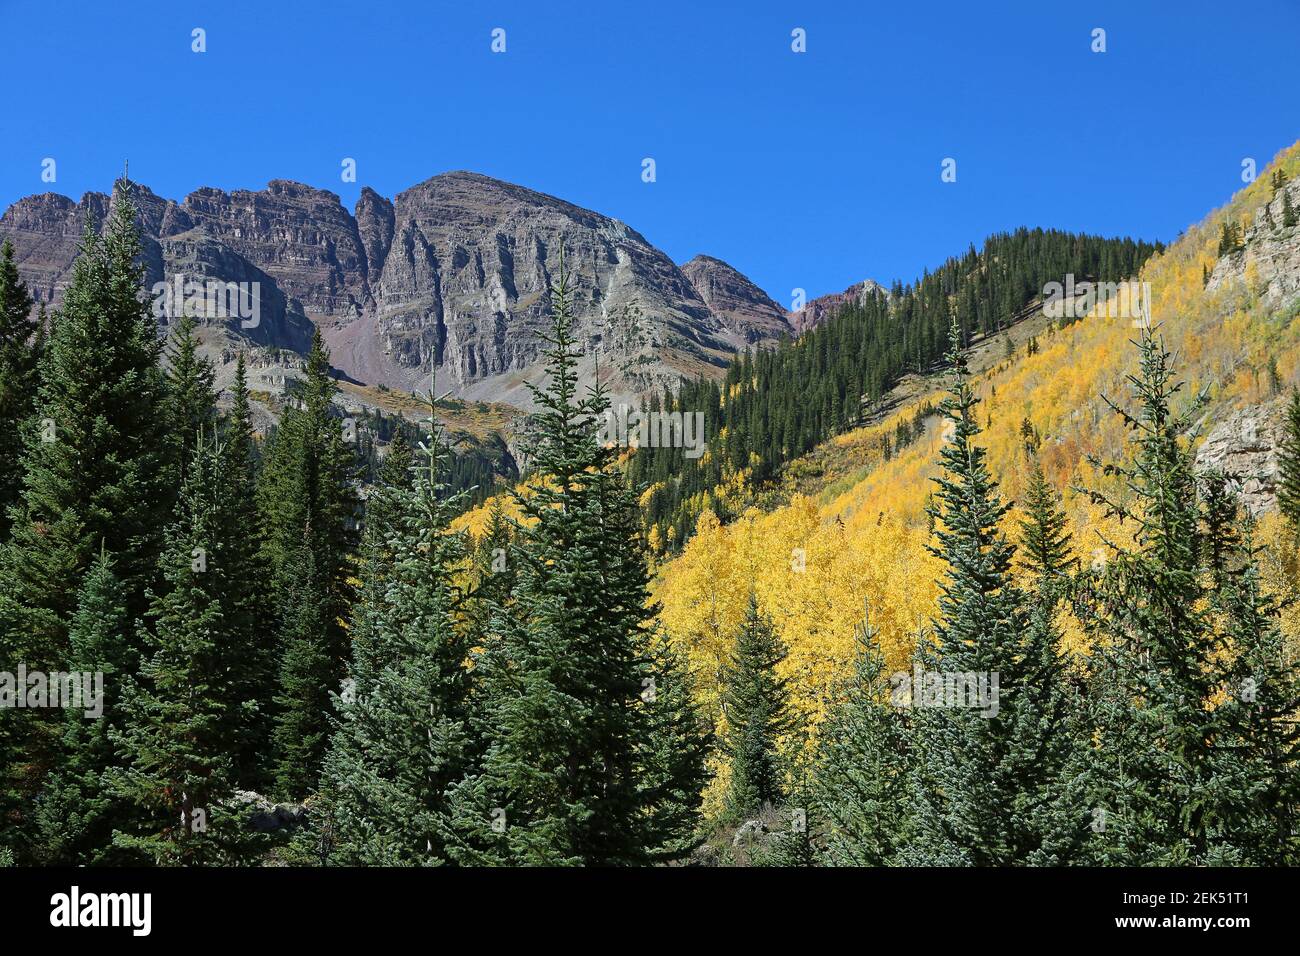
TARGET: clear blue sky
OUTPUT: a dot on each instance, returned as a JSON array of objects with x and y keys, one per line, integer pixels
[{"x": 812, "y": 170}]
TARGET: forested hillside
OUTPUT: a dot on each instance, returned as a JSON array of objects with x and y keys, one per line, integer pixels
[
  {"x": 863, "y": 540},
  {"x": 777, "y": 404},
  {"x": 1019, "y": 622}
]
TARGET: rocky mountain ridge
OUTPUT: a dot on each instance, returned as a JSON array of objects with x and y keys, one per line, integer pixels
[{"x": 444, "y": 285}]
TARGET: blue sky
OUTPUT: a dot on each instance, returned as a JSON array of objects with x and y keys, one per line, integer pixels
[{"x": 809, "y": 170}]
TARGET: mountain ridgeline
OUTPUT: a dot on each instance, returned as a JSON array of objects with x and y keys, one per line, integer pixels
[{"x": 776, "y": 404}]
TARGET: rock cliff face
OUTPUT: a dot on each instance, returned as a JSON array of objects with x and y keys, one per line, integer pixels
[
  {"x": 1245, "y": 444},
  {"x": 744, "y": 308},
  {"x": 448, "y": 281},
  {"x": 1270, "y": 255}
]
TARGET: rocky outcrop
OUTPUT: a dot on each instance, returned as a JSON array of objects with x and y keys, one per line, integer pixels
[
  {"x": 1245, "y": 445},
  {"x": 817, "y": 311},
  {"x": 745, "y": 309},
  {"x": 1269, "y": 257},
  {"x": 449, "y": 281}
]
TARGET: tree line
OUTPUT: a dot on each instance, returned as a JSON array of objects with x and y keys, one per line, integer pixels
[
  {"x": 262, "y": 630},
  {"x": 776, "y": 404}
]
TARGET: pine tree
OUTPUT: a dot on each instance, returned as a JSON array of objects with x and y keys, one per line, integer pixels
[
  {"x": 19, "y": 356},
  {"x": 565, "y": 729},
  {"x": 861, "y": 782},
  {"x": 675, "y": 753},
  {"x": 1261, "y": 765},
  {"x": 1048, "y": 714},
  {"x": 248, "y": 599},
  {"x": 1288, "y": 493},
  {"x": 308, "y": 675},
  {"x": 757, "y": 709},
  {"x": 403, "y": 739},
  {"x": 190, "y": 399},
  {"x": 1289, "y": 215},
  {"x": 308, "y": 507},
  {"x": 179, "y": 752},
  {"x": 95, "y": 477},
  {"x": 969, "y": 774},
  {"x": 77, "y": 810},
  {"x": 1155, "y": 783}
]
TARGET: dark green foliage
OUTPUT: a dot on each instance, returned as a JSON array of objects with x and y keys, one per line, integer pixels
[
  {"x": 102, "y": 482},
  {"x": 402, "y": 739},
  {"x": 757, "y": 709},
  {"x": 1288, "y": 492},
  {"x": 309, "y": 673},
  {"x": 95, "y": 479},
  {"x": 20, "y": 350},
  {"x": 967, "y": 776},
  {"x": 249, "y": 615},
  {"x": 860, "y": 786},
  {"x": 1230, "y": 239},
  {"x": 190, "y": 401},
  {"x": 308, "y": 508},
  {"x": 567, "y": 733},
  {"x": 781, "y": 402},
  {"x": 77, "y": 810},
  {"x": 179, "y": 754}
]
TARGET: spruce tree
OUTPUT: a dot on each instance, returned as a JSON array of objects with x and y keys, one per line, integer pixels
[
  {"x": 190, "y": 400},
  {"x": 1155, "y": 790},
  {"x": 95, "y": 478},
  {"x": 403, "y": 739},
  {"x": 756, "y": 705},
  {"x": 19, "y": 355},
  {"x": 78, "y": 810},
  {"x": 94, "y": 466},
  {"x": 566, "y": 731},
  {"x": 249, "y": 614},
  {"x": 308, "y": 508},
  {"x": 970, "y": 775},
  {"x": 861, "y": 783},
  {"x": 179, "y": 754},
  {"x": 1288, "y": 492}
]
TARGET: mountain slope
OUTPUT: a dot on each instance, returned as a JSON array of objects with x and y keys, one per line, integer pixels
[
  {"x": 858, "y": 537},
  {"x": 451, "y": 277},
  {"x": 744, "y": 308}
]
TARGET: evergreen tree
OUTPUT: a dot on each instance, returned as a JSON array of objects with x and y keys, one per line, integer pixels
[
  {"x": 970, "y": 774},
  {"x": 94, "y": 479},
  {"x": 97, "y": 476},
  {"x": 248, "y": 597},
  {"x": 179, "y": 754},
  {"x": 19, "y": 355},
  {"x": 757, "y": 709},
  {"x": 675, "y": 753},
  {"x": 307, "y": 503},
  {"x": 861, "y": 784},
  {"x": 567, "y": 734},
  {"x": 1289, "y": 215},
  {"x": 1288, "y": 492},
  {"x": 308, "y": 674},
  {"x": 77, "y": 810},
  {"x": 1048, "y": 714},
  {"x": 1155, "y": 788},
  {"x": 191, "y": 403},
  {"x": 1261, "y": 766},
  {"x": 402, "y": 739}
]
